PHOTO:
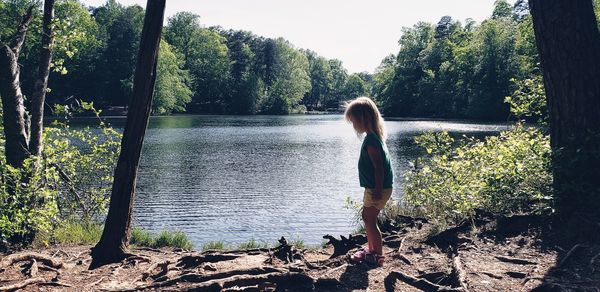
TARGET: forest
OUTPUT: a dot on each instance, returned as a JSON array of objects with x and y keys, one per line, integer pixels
[{"x": 450, "y": 69}]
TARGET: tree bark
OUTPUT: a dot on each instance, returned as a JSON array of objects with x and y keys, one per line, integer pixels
[
  {"x": 41, "y": 83},
  {"x": 14, "y": 115},
  {"x": 112, "y": 246},
  {"x": 568, "y": 42}
]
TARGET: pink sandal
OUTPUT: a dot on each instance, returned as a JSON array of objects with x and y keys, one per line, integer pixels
[
  {"x": 373, "y": 258},
  {"x": 360, "y": 255}
]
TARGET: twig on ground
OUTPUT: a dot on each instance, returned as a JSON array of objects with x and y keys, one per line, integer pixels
[{"x": 513, "y": 260}]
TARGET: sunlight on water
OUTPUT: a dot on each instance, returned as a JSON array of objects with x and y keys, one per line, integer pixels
[{"x": 236, "y": 178}]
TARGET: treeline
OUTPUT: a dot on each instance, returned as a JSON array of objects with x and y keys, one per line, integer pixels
[
  {"x": 459, "y": 70},
  {"x": 200, "y": 70}
]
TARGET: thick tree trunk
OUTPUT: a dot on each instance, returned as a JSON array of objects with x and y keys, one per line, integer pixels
[
  {"x": 41, "y": 83},
  {"x": 113, "y": 243},
  {"x": 15, "y": 117},
  {"x": 568, "y": 42},
  {"x": 16, "y": 149}
]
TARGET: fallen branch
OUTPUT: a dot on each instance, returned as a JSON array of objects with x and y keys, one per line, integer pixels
[
  {"x": 15, "y": 258},
  {"x": 568, "y": 255},
  {"x": 22, "y": 284},
  {"x": 517, "y": 261},
  {"x": 422, "y": 284}
]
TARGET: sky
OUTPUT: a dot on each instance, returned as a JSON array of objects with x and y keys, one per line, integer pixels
[{"x": 360, "y": 33}]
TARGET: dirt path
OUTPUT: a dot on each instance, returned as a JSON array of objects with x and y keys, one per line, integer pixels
[{"x": 458, "y": 259}]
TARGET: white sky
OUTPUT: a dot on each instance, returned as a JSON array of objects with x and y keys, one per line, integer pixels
[{"x": 360, "y": 33}]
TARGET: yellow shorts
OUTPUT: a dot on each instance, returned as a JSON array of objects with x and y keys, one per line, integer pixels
[{"x": 369, "y": 201}]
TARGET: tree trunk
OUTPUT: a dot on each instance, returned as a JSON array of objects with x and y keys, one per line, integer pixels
[
  {"x": 568, "y": 42},
  {"x": 41, "y": 83},
  {"x": 14, "y": 115},
  {"x": 113, "y": 243}
]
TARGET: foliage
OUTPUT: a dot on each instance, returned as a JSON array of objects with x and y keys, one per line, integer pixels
[
  {"x": 529, "y": 100},
  {"x": 27, "y": 206},
  {"x": 455, "y": 70},
  {"x": 172, "y": 91},
  {"x": 70, "y": 182},
  {"x": 70, "y": 233},
  {"x": 505, "y": 174}
]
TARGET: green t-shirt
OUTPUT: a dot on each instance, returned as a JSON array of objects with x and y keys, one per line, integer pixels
[{"x": 366, "y": 171}]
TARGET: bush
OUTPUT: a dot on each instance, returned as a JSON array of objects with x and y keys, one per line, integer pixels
[
  {"x": 503, "y": 174},
  {"x": 69, "y": 183}
]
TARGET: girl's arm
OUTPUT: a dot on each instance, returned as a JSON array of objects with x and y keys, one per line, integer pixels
[{"x": 375, "y": 155}]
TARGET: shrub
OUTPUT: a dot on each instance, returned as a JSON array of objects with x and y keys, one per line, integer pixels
[{"x": 503, "y": 174}]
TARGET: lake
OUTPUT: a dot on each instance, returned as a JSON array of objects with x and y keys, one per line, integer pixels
[{"x": 236, "y": 178}]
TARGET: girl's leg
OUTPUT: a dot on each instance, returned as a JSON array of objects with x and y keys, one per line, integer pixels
[{"x": 369, "y": 215}]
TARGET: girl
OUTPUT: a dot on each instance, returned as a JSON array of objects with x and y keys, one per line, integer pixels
[{"x": 374, "y": 171}]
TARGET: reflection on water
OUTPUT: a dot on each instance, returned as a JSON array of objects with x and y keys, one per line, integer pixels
[{"x": 235, "y": 178}]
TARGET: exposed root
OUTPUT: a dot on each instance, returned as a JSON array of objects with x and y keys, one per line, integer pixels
[
  {"x": 281, "y": 280},
  {"x": 422, "y": 284},
  {"x": 198, "y": 278},
  {"x": 33, "y": 269},
  {"x": 15, "y": 258},
  {"x": 22, "y": 284},
  {"x": 343, "y": 245},
  {"x": 569, "y": 254},
  {"x": 460, "y": 276},
  {"x": 513, "y": 260},
  {"x": 192, "y": 261}
]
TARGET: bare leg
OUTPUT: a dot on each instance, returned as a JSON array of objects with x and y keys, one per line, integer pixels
[{"x": 374, "y": 239}]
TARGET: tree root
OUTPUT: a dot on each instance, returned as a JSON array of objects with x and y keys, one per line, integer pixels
[
  {"x": 343, "y": 245},
  {"x": 192, "y": 261},
  {"x": 513, "y": 260},
  {"x": 568, "y": 255},
  {"x": 460, "y": 276},
  {"x": 15, "y": 258},
  {"x": 422, "y": 284},
  {"x": 197, "y": 278},
  {"x": 22, "y": 284},
  {"x": 281, "y": 280}
]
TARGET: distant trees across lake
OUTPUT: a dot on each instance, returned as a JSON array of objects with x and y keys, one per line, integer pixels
[{"x": 446, "y": 70}]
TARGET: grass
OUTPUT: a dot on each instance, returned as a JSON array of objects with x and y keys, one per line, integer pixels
[
  {"x": 165, "y": 238},
  {"x": 252, "y": 243},
  {"x": 71, "y": 233},
  {"x": 215, "y": 245}
]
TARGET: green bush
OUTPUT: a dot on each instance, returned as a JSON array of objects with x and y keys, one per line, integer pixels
[
  {"x": 70, "y": 182},
  {"x": 503, "y": 174},
  {"x": 215, "y": 245}
]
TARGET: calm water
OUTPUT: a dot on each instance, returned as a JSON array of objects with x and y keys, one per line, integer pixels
[{"x": 235, "y": 178}]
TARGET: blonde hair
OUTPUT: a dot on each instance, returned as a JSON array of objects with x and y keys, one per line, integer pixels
[{"x": 366, "y": 112}]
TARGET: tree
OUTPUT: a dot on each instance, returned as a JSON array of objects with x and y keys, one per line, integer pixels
[
  {"x": 112, "y": 246},
  {"x": 355, "y": 87},
  {"x": 21, "y": 140},
  {"x": 568, "y": 42},
  {"x": 172, "y": 91},
  {"x": 41, "y": 83}
]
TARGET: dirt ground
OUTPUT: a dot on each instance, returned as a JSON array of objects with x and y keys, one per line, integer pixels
[{"x": 506, "y": 254}]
